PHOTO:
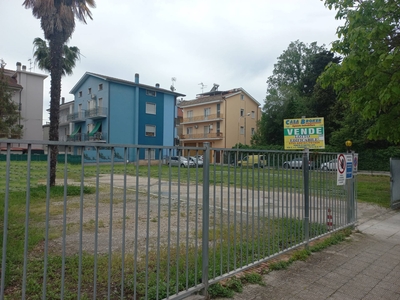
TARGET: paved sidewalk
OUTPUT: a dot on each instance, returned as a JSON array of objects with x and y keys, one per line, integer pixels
[{"x": 367, "y": 266}]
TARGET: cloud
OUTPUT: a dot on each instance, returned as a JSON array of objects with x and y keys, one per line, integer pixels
[{"x": 230, "y": 42}]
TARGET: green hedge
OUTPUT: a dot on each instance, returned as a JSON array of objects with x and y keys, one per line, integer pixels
[
  {"x": 72, "y": 159},
  {"x": 377, "y": 160}
]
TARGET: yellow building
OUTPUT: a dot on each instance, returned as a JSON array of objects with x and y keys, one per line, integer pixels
[{"x": 222, "y": 118}]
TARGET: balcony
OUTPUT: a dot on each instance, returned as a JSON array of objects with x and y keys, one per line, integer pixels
[
  {"x": 85, "y": 137},
  {"x": 96, "y": 113},
  {"x": 202, "y": 136},
  {"x": 197, "y": 119},
  {"x": 76, "y": 117}
]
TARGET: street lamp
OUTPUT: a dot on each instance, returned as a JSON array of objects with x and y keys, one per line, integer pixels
[{"x": 348, "y": 144}]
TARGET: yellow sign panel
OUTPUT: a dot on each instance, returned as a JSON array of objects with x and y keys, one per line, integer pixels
[{"x": 304, "y": 133}]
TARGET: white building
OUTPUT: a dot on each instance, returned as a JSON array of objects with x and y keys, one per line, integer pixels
[{"x": 27, "y": 90}]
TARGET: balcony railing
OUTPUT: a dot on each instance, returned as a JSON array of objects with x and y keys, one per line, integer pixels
[
  {"x": 197, "y": 136},
  {"x": 85, "y": 137},
  {"x": 217, "y": 116},
  {"x": 96, "y": 113},
  {"x": 76, "y": 117}
]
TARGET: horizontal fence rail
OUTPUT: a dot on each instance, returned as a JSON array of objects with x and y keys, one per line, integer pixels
[{"x": 141, "y": 222}]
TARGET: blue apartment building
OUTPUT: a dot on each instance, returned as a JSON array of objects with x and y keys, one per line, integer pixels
[{"x": 115, "y": 111}]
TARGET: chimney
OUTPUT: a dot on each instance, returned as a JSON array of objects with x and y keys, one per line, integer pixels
[
  {"x": 136, "y": 78},
  {"x": 23, "y": 68},
  {"x": 18, "y": 66},
  {"x": 62, "y": 100},
  {"x": 157, "y": 85}
]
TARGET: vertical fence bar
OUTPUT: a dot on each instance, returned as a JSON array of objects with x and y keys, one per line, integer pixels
[
  {"x": 5, "y": 223},
  {"x": 124, "y": 223},
  {"x": 81, "y": 222},
  {"x": 28, "y": 183},
  {"x": 306, "y": 196},
  {"x": 64, "y": 234},
  {"x": 206, "y": 216},
  {"x": 46, "y": 239},
  {"x": 96, "y": 234}
]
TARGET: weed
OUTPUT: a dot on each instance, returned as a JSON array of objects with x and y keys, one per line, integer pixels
[
  {"x": 252, "y": 278},
  {"x": 217, "y": 290}
]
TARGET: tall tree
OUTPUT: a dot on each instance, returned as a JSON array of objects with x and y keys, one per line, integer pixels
[
  {"x": 290, "y": 89},
  {"x": 57, "y": 19},
  {"x": 9, "y": 115},
  {"x": 42, "y": 56},
  {"x": 368, "y": 77}
]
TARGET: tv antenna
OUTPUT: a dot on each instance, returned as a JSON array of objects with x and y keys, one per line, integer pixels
[
  {"x": 2, "y": 63},
  {"x": 203, "y": 86},
  {"x": 172, "y": 88},
  {"x": 30, "y": 64}
]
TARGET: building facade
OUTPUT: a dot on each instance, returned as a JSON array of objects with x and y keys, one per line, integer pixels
[
  {"x": 27, "y": 92},
  {"x": 116, "y": 111},
  {"x": 222, "y": 118}
]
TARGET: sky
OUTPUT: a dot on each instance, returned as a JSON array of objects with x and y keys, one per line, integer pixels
[{"x": 233, "y": 43}]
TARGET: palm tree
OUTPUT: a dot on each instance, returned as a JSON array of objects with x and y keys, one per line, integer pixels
[
  {"x": 42, "y": 56},
  {"x": 57, "y": 19}
]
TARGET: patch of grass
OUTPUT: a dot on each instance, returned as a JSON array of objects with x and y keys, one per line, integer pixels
[
  {"x": 252, "y": 278},
  {"x": 16, "y": 223},
  {"x": 374, "y": 189},
  {"x": 217, "y": 290}
]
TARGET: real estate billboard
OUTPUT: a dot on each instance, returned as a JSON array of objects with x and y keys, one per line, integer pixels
[{"x": 304, "y": 133}]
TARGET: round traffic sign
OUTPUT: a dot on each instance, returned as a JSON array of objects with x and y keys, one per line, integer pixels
[{"x": 341, "y": 163}]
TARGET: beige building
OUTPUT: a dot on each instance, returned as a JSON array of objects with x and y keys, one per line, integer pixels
[{"x": 222, "y": 118}]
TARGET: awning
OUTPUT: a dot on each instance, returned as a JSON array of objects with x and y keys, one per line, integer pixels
[
  {"x": 76, "y": 131},
  {"x": 95, "y": 129}
]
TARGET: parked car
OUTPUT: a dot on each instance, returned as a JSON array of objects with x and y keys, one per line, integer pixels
[
  {"x": 330, "y": 165},
  {"x": 297, "y": 163},
  {"x": 180, "y": 161},
  {"x": 197, "y": 160},
  {"x": 258, "y": 161}
]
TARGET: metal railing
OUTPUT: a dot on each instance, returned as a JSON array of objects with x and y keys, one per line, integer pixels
[
  {"x": 210, "y": 135},
  {"x": 82, "y": 137},
  {"x": 118, "y": 225},
  {"x": 96, "y": 112},
  {"x": 76, "y": 117},
  {"x": 217, "y": 116}
]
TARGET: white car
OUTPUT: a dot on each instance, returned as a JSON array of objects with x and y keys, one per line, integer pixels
[
  {"x": 330, "y": 165},
  {"x": 297, "y": 163},
  {"x": 180, "y": 161},
  {"x": 197, "y": 161}
]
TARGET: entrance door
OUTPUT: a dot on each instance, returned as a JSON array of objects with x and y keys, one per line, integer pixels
[{"x": 395, "y": 182}]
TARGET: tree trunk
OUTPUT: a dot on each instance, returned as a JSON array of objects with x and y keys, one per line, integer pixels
[{"x": 55, "y": 44}]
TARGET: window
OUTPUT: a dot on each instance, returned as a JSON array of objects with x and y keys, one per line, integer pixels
[
  {"x": 189, "y": 130},
  {"x": 242, "y": 112},
  {"x": 150, "y": 108},
  {"x": 241, "y": 97},
  {"x": 100, "y": 102},
  {"x": 207, "y": 112},
  {"x": 89, "y": 91},
  {"x": 150, "y": 130},
  {"x": 206, "y": 129},
  {"x": 253, "y": 131},
  {"x": 150, "y": 153},
  {"x": 253, "y": 114},
  {"x": 80, "y": 93},
  {"x": 151, "y": 93},
  {"x": 189, "y": 114},
  {"x": 100, "y": 87},
  {"x": 241, "y": 130}
]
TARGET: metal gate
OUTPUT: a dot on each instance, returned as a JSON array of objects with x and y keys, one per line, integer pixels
[{"x": 395, "y": 182}]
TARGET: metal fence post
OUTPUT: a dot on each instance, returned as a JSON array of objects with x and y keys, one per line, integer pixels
[
  {"x": 350, "y": 197},
  {"x": 306, "y": 196},
  {"x": 206, "y": 215}
]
